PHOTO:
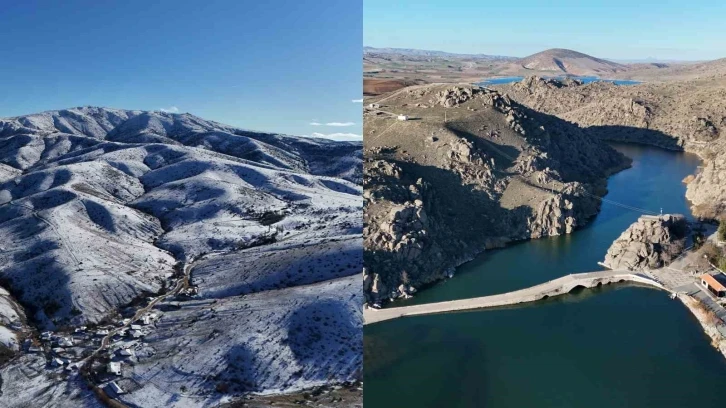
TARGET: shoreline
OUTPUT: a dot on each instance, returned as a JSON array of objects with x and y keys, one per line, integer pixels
[{"x": 696, "y": 308}]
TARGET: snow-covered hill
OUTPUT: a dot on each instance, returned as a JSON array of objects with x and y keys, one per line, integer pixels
[{"x": 102, "y": 210}]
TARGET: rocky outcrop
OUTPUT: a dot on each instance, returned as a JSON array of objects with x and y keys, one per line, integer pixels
[
  {"x": 651, "y": 242},
  {"x": 490, "y": 171},
  {"x": 564, "y": 212},
  {"x": 686, "y": 115}
]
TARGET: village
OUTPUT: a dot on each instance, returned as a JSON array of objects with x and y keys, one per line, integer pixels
[{"x": 105, "y": 350}]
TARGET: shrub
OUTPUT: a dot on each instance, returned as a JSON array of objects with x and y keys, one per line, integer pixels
[{"x": 722, "y": 230}]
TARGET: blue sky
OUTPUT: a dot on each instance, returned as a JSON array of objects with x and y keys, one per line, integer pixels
[
  {"x": 616, "y": 29},
  {"x": 263, "y": 65}
]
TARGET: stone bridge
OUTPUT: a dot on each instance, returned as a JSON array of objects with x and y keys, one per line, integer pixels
[{"x": 555, "y": 287}]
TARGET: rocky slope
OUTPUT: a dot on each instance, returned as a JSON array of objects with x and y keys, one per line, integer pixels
[
  {"x": 649, "y": 243},
  {"x": 683, "y": 115},
  {"x": 470, "y": 169},
  {"x": 102, "y": 210}
]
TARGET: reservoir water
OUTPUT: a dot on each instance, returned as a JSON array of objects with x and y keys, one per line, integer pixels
[
  {"x": 584, "y": 79},
  {"x": 619, "y": 346}
]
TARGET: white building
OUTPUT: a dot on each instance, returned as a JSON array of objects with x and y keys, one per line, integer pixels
[
  {"x": 114, "y": 368},
  {"x": 65, "y": 342},
  {"x": 136, "y": 333},
  {"x": 402, "y": 117},
  {"x": 126, "y": 352},
  {"x": 115, "y": 388}
]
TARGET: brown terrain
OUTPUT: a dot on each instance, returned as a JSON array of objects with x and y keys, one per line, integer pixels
[
  {"x": 474, "y": 168},
  {"x": 394, "y": 67},
  {"x": 378, "y": 86},
  {"x": 674, "y": 72},
  {"x": 558, "y": 61},
  {"x": 390, "y": 67},
  {"x": 468, "y": 170},
  {"x": 685, "y": 115}
]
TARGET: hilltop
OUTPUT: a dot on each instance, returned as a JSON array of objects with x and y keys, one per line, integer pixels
[
  {"x": 558, "y": 61},
  {"x": 240, "y": 240}
]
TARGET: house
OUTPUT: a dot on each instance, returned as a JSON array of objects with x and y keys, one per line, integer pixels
[
  {"x": 114, "y": 368},
  {"x": 135, "y": 327},
  {"x": 145, "y": 319},
  {"x": 56, "y": 362},
  {"x": 115, "y": 388},
  {"x": 402, "y": 117},
  {"x": 126, "y": 352},
  {"x": 65, "y": 342},
  {"x": 374, "y": 105},
  {"x": 711, "y": 283},
  {"x": 136, "y": 333},
  {"x": 46, "y": 335}
]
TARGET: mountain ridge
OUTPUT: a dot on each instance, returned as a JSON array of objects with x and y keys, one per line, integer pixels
[{"x": 103, "y": 210}]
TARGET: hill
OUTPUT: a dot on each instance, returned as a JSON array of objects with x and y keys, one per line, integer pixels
[
  {"x": 108, "y": 215},
  {"x": 470, "y": 169},
  {"x": 560, "y": 61},
  {"x": 681, "y": 115},
  {"x": 671, "y": 72}
]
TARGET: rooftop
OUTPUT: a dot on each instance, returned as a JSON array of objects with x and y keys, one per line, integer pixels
[{"x": 712, "y": 282}]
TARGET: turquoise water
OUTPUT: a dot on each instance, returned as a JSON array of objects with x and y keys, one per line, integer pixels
[
  {"x": 584, "y": 79},
  {"x": 613, "y": 347}
]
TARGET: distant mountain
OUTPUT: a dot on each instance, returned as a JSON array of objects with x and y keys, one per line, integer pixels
[
  {"x": 564, "y": 61},
  {"x": 411, "y": 52}
]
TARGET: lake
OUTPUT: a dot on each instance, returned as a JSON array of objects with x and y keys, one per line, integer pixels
[
  {"x": 584, "y": 79},
  {"x": 619, "y": 346}
]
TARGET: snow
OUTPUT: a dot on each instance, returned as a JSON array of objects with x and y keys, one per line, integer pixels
[
  {"x": 277, "y": 341},
  {"x": 100, "y": 207}
]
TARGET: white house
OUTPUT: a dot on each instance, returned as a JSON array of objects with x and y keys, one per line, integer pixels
[
  {"x": 136, "y": 333},
  {"x": 115, "y": 388},
  {"x": 114, "y": 368},
  {"x": 65, "y": 342},
  {"x": 126, "y": 352},
  {"x": 402, "y": 117}
]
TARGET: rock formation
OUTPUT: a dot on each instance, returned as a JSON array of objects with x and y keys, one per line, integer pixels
[
  {"x": 684, "y": 115},
  {"x": 649, "y": 243},
  {"x": 469, "y": 170}
]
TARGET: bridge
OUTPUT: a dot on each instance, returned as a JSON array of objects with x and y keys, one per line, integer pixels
[{"x": 555, "y": 287}]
